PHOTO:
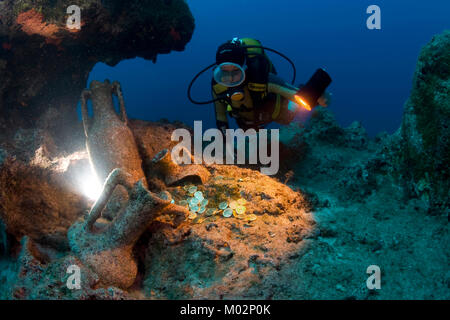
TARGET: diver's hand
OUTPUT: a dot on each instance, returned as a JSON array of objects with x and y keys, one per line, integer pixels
[{"x": 325, "y": 99}]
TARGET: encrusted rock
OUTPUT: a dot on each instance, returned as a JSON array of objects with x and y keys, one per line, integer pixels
[
  {"x": 217, "y": 257},
  {"x": 41, "y": 199},
  {"x": 44, "y": 63},
  {"x": 37, "y": 279},
  {"x": 425, "y": 150}
]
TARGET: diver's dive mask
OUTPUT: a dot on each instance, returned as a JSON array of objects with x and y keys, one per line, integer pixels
[{"x": 229, "y": 74}]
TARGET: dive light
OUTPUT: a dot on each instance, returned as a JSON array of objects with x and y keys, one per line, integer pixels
[{"x": 310, "y": 93}]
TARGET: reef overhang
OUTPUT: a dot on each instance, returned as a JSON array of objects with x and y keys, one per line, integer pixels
[{"x": 44, "y": 64}]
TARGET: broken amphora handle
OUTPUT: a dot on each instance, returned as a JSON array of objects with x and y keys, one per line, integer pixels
[{"x": 115, "y": 178}]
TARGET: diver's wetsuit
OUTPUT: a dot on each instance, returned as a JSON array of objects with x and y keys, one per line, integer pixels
[{"x": 256, "y": 114}]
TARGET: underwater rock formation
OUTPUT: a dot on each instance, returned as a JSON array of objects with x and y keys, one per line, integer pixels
[
  {"x": 326, "y": 150},
  {"x": 39, "y": 278},
  {"x": 3, "y": 240},
  {"x": 424, "y": 157},
  {"x": 44, "y": 64},
  {"x": 210, "y": 256},
  {"x": 40, "y": 199},
  {"x": 43, "y": 68},
  {"x": 416, "y": 156}
]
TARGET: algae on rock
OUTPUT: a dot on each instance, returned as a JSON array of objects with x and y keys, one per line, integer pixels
[{"x": 425, "y": 153}]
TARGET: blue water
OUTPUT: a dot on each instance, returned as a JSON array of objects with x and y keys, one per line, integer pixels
[{"x": 372, "y": 69}]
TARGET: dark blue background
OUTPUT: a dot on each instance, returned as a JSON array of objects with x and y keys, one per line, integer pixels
[{"x": 372, "y": 69}]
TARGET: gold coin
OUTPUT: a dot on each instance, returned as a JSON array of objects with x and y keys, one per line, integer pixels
[
  {"x": 211, "y": 219},
  {"x": 241, "y": 210},
  {"x": 183, "y": 203},
  {"x": 233, "y": 205},
  {"x": 192, "y": 216},
  {"x": 223, "y": 205},
  {"x": 227, "y": 213},
  {"x": 242, "y": 201},
  {"x": 192, "y": 189},
  {"x": 238, "y": 216},
  {"x": 252, "y": 217},
  {"x": 199, "y": 220}
]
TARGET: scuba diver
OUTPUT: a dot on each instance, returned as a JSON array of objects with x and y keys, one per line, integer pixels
[{"x": 246, "y": 87}]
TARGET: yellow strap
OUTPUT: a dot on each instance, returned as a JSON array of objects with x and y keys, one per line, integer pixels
[
  {"x": 252, "y": 42},
  {"x": 277, "y": 110},
  {"x": 259, "y": 87}
]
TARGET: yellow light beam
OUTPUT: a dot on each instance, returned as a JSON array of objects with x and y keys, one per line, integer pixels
[{"x": 302, "y": 102}]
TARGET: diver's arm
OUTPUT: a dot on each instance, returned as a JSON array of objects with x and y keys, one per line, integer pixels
[
  {"x": 221, "y": 114},
  {"x": 288, "y": 91},
  {"x": 281, "y": 87}
]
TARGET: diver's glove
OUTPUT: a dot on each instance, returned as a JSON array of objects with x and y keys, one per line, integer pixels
[{"x": 222, "y": 126}]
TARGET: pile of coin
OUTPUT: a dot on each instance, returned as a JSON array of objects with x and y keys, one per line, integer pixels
[{"x": 199, "y": 212}]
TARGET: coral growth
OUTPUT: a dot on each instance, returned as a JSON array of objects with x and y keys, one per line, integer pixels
[
  {"x": 31, "y": 22},
  {"x": 425, "y": 133}
]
